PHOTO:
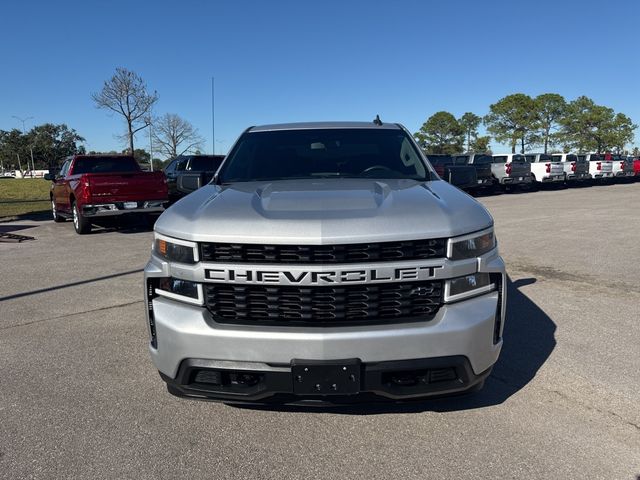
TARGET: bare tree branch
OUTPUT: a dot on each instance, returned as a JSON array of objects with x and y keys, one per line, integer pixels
[
  {"x": 171, "y": 133},
  {"x": 126, "y": 94}
]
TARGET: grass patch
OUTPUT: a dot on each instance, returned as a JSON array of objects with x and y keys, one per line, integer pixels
[{"x": 24, "y": 196}]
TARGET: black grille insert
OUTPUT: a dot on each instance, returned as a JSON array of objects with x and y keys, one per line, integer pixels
[
  {"x": 346, "y": 253},
  {"x": 323, "y": 306}
]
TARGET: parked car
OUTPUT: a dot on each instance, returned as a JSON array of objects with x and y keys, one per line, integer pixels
[
  {"x": 482, "y": 163},
  {"x": 622, "y": 167},
  {"x": 575, "y": 167},
  {"x": 456, "y": 172},
  {"x": 190, "y": 170},
  {"x": 328, "y": 263},
  {"x": 511, "y": 169},
  {"x": 92, "y": 186},
  {"x": 545, "y": 168},
  {"x": 599, "y": 168}
]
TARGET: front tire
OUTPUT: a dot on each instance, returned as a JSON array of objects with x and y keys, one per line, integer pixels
[
  {"x": 80, "y": 223},
  {"x": 54, "y": 212}
]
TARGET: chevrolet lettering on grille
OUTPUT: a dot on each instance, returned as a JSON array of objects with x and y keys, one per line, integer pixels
[{"x": 325, "y": 277}]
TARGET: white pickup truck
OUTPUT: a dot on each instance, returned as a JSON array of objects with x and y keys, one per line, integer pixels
[
  {"x": 599, "y": 168},
  {"x": 621, "y": 166},
  {"x": 510, "y": 169},
  {"x": 575, "y": 167},
  {"x": 545, "y": 169}
]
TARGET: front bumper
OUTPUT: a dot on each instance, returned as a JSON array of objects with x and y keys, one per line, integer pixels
[
  {"x": 122, "y": 208},
  {"x": 467, "y": 334},
  {"x": 382, "y": 381}
]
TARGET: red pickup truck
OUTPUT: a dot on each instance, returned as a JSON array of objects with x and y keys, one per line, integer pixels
[{"x": 90, "y": 186}]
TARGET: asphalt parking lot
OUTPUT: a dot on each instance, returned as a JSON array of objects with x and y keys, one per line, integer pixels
[{"x": 79, "y": 397}]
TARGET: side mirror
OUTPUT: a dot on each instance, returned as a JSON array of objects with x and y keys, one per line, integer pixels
[{"x": 49, "y": 176}]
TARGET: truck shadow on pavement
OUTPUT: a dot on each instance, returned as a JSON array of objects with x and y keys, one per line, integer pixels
[{"x": 529, "y": 339}]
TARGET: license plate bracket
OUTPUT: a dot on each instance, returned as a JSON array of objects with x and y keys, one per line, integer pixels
[{"x": 326, "y": 377}]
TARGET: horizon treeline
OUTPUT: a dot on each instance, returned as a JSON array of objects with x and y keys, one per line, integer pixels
[{"x": 546, "y": 122}]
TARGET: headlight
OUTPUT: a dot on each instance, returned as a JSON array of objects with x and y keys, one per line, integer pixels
[
  {"x": 174, "y": 250},
  {"x": 183, "y": 290},
  {"x": 467, "y": 286},
  {"x": 472, "y": 245}
]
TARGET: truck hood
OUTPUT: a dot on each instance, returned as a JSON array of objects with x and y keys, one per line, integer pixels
[{"x": 323, "y": 211}]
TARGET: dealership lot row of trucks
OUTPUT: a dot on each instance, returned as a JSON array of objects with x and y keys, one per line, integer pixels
[
  {"x": 90, "y": 186},
  {"x": 481, "y": 171}
]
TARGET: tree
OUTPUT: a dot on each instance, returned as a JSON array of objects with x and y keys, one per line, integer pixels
[
  {"x": 14, "y": 149},
  {"x": 52, "y": 143},
  {"x": 620, "y": 133},
  {"x": 470, "y": 123},
  {"x": 125, "y": 93},
  {"x": 550, "y": 108},
  {"x": 481, "y": 145},
  {"x": 441, "y": 133},
  {"x": 174, "y": 135},
  {"x": 512, "y": 120},
  {"x": 588, "y": 127},
  {"x": 141, "y": 155}
]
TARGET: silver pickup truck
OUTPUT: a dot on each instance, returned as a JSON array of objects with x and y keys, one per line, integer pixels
[
  {"x": 325, "y": 263},
  {"x": 511, "y": 169}
]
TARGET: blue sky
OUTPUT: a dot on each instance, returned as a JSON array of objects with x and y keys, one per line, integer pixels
[{"x": 280, "y": 61}]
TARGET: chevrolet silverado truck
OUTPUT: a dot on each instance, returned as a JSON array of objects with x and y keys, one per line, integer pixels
[
  {"x": 325, "y": 263},
  {"x": 599, "y": 167},
  {"x": 482, "y": 164},
  {"x": 510, "y": 169},
  {"x": 545, "y": 168},
  {"x": 622, "y": 166},
  {"x": 94, "y": 186}
]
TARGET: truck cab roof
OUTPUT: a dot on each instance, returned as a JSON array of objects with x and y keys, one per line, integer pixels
[{"x": 322, "y": 125}]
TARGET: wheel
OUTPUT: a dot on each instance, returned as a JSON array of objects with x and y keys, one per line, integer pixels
[
  {"x": 534, "y": 186},
  {"x": 80, "y": 223},
  {"x": 54, "y": 213}
]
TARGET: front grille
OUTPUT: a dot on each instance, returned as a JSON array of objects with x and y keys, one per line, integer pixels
[
  {"x": 323, "y": 306},
  {"x": 348, "y": 253}
]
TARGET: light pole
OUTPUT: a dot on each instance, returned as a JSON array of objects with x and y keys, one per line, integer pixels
[
  {"x": 150, "y": 120},
  {"x": 213, "y": 123},
  {"x": 23, "y": 120}
]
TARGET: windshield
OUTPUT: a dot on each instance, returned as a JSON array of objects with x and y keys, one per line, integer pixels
[
  {"x": 482, "y": 159},
  {"x": 114, "y": 164},
  {"x": 323, "y": 153},
  {"x": 206, "y": 162},
  {"x": 437, "y": 160}
]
